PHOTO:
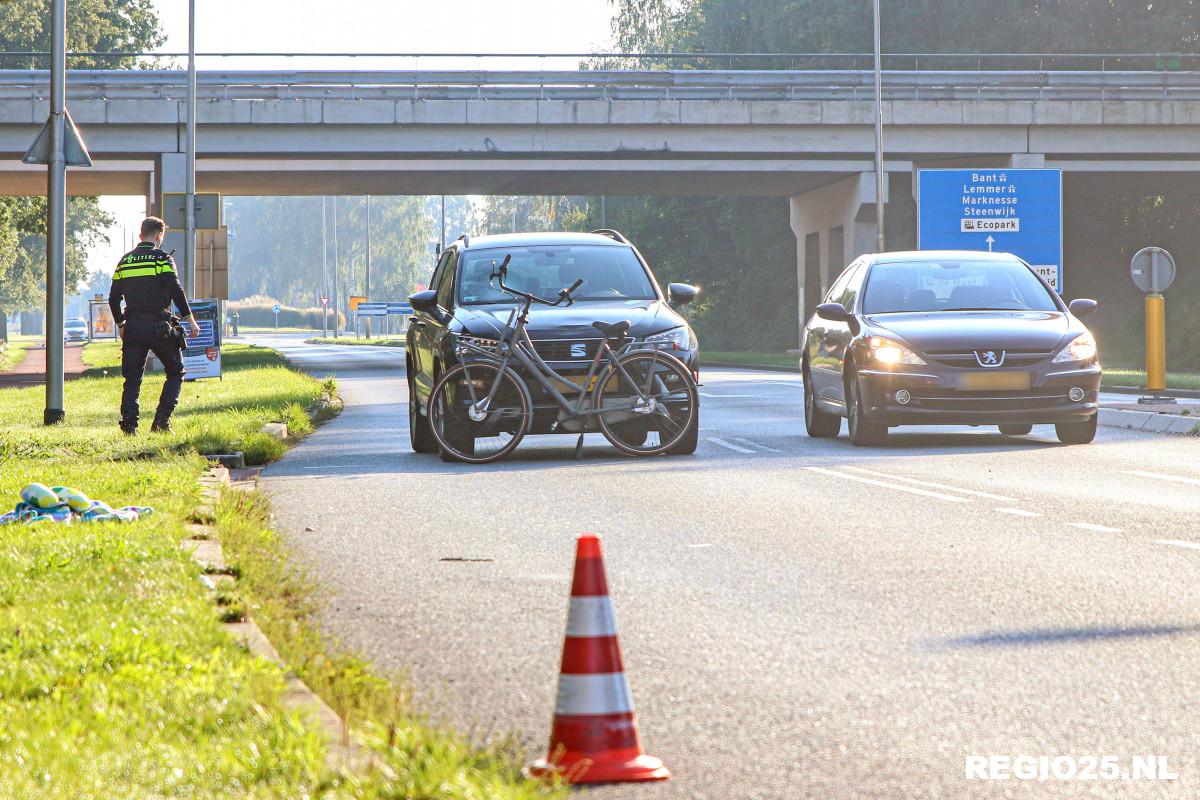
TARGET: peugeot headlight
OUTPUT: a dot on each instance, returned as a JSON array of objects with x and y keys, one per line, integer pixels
[
  {"x": 890, "y": 353},
  {"x": 1081, "y": 348},
  {"x": 675, "y": 339},
  {"x": 488, "y": 345}
]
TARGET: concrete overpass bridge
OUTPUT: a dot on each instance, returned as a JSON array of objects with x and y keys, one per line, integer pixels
[{"x": 804, "y": 134}]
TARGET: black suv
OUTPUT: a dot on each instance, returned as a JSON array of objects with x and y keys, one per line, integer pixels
[{"x": 463, "y": 302}]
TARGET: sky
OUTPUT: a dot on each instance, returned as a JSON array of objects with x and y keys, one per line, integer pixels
[{"x": 368, "y": 26}]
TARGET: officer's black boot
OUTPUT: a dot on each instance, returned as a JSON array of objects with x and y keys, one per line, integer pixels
[
  {"x": 161, "y": 425},
  {"x": 128, "y": 428}
]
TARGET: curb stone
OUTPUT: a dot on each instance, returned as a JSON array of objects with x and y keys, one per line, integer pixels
[
  {"x": 341, "y": 752},
  {"x": 1149, "y": 421}
]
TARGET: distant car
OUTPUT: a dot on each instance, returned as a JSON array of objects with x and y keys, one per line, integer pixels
[
  {"x": 463, "y": 302},
  {"x": 948, "y": 338},
  {"x": 75, "y": 330}
]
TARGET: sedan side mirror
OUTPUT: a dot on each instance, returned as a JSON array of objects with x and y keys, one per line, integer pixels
[
  {"x": 680, "y": 294},
  {"x": 834, "y": 312},
  {"x": 425, "y": 302},
  {"x": 1082, "y": 307}
]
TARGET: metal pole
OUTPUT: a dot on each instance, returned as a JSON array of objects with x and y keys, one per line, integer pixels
[
  {"x": 879, "y": 237},
  {"x": 603, "y": 212},
  {"x": 324, "y": 271},
  {"x": 368, "y": 287},
  {"x": 442, "y": 235},
  {"x": 56, "y": 224},
  {"x": 336, "y": 307},
  {"x": 189, "y": 241}
]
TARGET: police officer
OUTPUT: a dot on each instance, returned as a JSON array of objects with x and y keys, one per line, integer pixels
[{"x": 147, "y": 281}]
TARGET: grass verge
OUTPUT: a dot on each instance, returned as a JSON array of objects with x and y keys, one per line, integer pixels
[
  {"x": 13, "y": 351},
  {"x": 740, "y": 359},
  {"x": 346, "y": 340},
  {"x": 116, "y": 678},
  {"x": 1120, "y": 376}
]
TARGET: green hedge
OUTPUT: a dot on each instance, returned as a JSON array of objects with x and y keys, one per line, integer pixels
[{"x": 263, "y": 317}]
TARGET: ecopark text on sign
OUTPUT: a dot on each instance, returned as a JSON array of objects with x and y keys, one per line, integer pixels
[{"x": 1016, "y": 211}]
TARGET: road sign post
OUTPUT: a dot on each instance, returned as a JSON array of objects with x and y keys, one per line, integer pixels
[
  {"x": 276, "y": 309},
  {"x": 1016, "y": 211},
  {"x": 1153, "y": 271},
  {"x": 324, "y": 315}
]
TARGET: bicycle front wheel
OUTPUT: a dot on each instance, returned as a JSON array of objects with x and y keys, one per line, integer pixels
[
  {"x": 648, "y": 401},
  {"x": 473, "y": 423}
]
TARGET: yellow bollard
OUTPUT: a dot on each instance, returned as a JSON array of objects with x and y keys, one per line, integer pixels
[{"x": 1156, "y": 343}]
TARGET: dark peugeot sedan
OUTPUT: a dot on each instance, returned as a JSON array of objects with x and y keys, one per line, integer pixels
[
  {"x": 463, "y": 302},
  {"x": 948, "y": 338}
]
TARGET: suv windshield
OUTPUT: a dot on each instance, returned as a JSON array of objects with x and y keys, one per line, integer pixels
[
  {"x": 608, "y": 273},
  {"x": 908, "y": 286}
]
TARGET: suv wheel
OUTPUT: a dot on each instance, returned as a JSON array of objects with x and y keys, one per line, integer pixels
[
  {"x": 419, "y": 436},
  {"x": 864, "y": 432},
  {"x": 819, "y": 424}
]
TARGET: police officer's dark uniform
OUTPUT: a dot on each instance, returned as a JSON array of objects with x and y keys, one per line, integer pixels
[{"x": 146, "y": 279}]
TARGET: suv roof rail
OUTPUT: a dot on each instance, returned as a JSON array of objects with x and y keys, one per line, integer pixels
[
  {"x": 610, "y": 233},
  {"x": 465, "y": 239}
]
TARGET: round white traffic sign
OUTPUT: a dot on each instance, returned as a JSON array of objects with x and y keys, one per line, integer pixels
[{"x": 1152, "y": 269}]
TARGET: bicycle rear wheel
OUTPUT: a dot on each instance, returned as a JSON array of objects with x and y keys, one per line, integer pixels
[
  {"x": 466, "y": 426},
  {"x": 652, "y": 397}
]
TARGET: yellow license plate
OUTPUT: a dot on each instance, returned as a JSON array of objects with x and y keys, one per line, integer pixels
[{"x": 974, "y": 381}]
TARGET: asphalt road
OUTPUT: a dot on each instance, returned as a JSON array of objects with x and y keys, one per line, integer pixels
[{"x": 799, "y": 618}]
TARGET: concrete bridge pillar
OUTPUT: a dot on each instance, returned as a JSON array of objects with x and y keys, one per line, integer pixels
[
  {"x": 833, "y": 224},
  {"x": 170, "y": 175}
]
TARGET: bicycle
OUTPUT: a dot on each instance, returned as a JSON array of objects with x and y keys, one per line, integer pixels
[{"x": 644, "y": 400}]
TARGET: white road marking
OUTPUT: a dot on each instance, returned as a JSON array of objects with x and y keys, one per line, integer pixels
[
  {"x": 734, "y": 447},
  {"x": 924, "y": 493},
  {"x": 1018, "y": 512},
  {"x": 699, "y": 545},
  {"x": 1178, "y": 543},
  {"x": 1162, "y": 477},
  {"x": 1088, "y": 526},
  {"x": 756, "y": 444},
  {"x": 930, "y": 484},
  {"x": 710, "y": 394}
]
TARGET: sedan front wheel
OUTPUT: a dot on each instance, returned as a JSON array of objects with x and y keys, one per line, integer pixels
[{"x": 864, "y": 432}]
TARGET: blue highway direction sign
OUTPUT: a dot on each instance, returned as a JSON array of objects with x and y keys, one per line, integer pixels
[{"x": 1016, "y": 211}]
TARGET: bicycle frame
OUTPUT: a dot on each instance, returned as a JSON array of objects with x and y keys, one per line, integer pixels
[{"x": 516, "y": 345}]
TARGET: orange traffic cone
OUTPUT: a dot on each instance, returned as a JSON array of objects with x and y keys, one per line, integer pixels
[{"x": 595, "y": 736}]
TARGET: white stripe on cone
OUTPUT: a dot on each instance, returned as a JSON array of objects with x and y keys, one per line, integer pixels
[
  {"x": 591, "y": 616},
  {"x": 604, "y": 693}
]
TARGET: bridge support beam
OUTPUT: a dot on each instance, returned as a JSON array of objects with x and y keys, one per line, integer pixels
[{"x": 833, "y": 224}]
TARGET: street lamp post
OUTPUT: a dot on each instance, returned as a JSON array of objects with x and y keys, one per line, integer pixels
[
  {"x": 324, "y": 271},
  {"x": 56, "y": 224},
  {"x": 336, "y": 307},
  {"x": 879, "y": 236},
  {"x": 189, "y": 240},
  {"x": 368, "y": 287}
]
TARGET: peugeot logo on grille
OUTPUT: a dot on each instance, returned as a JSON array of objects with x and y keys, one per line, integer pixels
[
  {"x": 579, "y": 350},
  {"x": 989, "y": 358}
]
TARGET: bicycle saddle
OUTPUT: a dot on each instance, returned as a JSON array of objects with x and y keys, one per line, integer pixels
[{"x": 613, "y": 330}]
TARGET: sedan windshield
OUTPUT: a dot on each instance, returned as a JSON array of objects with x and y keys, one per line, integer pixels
[
  {"x": 916, "y": 286},
  {"x": 608, "y": 273}
]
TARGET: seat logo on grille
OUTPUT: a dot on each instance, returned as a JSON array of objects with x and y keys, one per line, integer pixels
[
  {"x": 989, "y": 358},
  {"x": 579, "y": 350}
]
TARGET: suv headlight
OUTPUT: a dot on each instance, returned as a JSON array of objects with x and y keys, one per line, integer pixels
[
  {"x": 890, "y": 353},
  {"x": 1081, "y": 348},
  {"x": 675, "y": 339},
  {"x": 490, "y": 345}
]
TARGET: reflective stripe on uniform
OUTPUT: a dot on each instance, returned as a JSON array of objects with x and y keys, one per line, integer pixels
[
  {"x": 134, "y": 272},
  {"x": 165, "y": 268}
]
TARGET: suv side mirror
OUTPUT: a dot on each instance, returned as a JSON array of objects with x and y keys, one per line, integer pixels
[
  {"x": 1082, "y": 307},
  {"x": 680, "y": 294},
  {"x": 834, "y": 312},
  {"x": 425, "y": 302}
]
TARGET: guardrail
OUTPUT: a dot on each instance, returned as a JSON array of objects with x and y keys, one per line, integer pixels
[
  {"x": 614, "y": 84},
  {"x": 1039, "y": 62}
]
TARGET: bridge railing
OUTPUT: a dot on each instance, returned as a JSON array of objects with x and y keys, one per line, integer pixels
[
  {"x": 1039, "y": 62},
  {"x": 615, "y": 84}
]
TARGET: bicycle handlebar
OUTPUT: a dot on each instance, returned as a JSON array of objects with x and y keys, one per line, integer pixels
[{"x": 501, "y": 272}]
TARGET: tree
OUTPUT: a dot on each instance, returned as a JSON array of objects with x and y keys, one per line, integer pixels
[{"x": 92, "y": 25}]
